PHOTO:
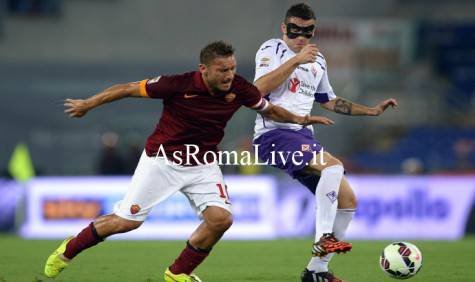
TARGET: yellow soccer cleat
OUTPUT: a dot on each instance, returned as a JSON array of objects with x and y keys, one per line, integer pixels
[
  {"x": 170, "y": 277},
  {"x": 54, "y": 265}
]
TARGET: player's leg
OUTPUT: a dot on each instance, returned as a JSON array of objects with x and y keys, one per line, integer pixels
[
  {"x": 90, "y": 236},
  {"x": 310, "y": 176},
  {"x": 96, "y": 232},
  {"x": 331, "y": 171},
  {"x": 208, "y": 196},
  {"x": 317, "y": 268},
  {"x": 347, "y": 204},
  {"x": 216, "y": 221},
  {"x": 128, "y": 213}
]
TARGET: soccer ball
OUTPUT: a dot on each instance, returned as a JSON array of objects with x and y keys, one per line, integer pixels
[{"x": 401, "y": 260}]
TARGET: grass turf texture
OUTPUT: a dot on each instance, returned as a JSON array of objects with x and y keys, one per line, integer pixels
[{"x": 279, "y": 260}]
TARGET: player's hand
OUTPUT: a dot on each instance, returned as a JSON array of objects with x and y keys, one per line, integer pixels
[
  {"x": 308, "y": 54},
  {"x": 76, "y": 108},
  {"x": 317, "y": 119},
  {"x": 381, "y": 107}
]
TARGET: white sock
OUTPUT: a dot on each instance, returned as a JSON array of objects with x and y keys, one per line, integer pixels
[
  {"x": 342, "y": 221},
  {"x": 327, "y": 199},
  {"x": 318, "y": 264}
]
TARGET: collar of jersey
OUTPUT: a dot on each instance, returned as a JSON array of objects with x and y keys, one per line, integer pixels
[
  {"x": 286, "y": 46},
  {"x": 201, "y": 87}
]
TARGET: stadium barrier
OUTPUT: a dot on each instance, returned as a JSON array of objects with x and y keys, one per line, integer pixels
[{"x": 390, "y": 207}]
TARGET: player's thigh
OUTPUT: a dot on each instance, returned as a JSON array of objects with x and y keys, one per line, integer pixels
[
  {"x": 208, "y": 189},
  {"x": 346, "y": 195},
  {"x": 320, "y": 162},
  {"x": 279, "y": 148},
  {"x": 154, "y": 180}
]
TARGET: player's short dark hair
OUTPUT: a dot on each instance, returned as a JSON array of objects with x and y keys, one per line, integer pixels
[
  {"x": 215, "y": 49},
  {"x": 301, "y": 10}
]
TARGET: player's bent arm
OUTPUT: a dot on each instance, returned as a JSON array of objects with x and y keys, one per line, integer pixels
[
  {"x": 79, "y": 107},
  {"x": 275, "y": 78},
  {"x": 346, "y": 107},
  {"x": 279, "y": 114}
]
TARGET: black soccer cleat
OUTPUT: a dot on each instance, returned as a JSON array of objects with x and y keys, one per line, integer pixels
[
  {"x": 329, "y": 244},
  {"x": 312, "y": 276}
]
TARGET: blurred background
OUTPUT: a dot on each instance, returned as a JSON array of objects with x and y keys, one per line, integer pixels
[{"x": 421, "y": 52}]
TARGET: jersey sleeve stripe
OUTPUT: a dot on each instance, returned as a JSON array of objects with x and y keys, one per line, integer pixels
[
  {"x": 278, "y": 46},
  {"x": 261, "y": 106},
  {"x": 283, "y": 52},
  {"x": 143, "y": 89},
  {"x": 321, "y": 98}
]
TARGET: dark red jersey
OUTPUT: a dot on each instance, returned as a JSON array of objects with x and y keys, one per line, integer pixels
[{"x": 191, "y": 115}]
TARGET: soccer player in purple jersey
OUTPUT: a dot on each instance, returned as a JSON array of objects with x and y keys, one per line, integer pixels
[
  {"x": 197, "y": 106},
  {"x": 292, "y": 73}
]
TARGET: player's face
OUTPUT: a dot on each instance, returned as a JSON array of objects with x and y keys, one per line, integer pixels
[
  {"x": 298, "y": 32},
  {"x": 219, "y": 73}
]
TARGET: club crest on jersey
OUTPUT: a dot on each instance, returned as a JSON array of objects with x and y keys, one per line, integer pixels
[
  {"x": 332, "y": 196},
  {"x": 294, "y": 84},
  {"x": 314, "y": 71},
  {"x": 230, "y": 97},
  {"x": 306, "y": 148},
  {"x": 134, "y": 209}
]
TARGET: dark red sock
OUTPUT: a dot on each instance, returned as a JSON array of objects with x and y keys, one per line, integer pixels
[
  {"x": 189, "y": 259},
  {"x": 87, "y": 238}
]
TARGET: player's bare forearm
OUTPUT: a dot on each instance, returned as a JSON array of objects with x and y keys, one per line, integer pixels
[
  {"x": 346, "y": 107},
  {"x": 280, "y": 114},
  {"x": 275, "y": 78},
  {"x": 112, "y": 94},
  {"x": 79, "y": 107}
]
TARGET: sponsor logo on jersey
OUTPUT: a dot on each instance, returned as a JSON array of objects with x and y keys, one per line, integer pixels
[
  {"x": 294, "y": 84},
  {"x": 188, "y": 96},
  {"x": 301, "y": 87},
  {"x": 302, "y": 68}
]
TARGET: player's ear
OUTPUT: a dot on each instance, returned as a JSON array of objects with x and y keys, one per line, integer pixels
[
  {"x": 283, "y": 28},
  {"x": 202, "y": 68}
]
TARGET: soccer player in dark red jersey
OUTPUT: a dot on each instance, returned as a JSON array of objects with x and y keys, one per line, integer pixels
[{"x": 197, "y": 106}]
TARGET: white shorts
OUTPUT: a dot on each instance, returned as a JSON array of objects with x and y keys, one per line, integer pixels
[{"x": 156, "y": 179}]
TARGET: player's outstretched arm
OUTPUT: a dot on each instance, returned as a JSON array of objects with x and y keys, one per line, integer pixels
[
  {"x": 345, "y": 107},
  {"x": 275, "y": 78},
  {"x": 280, "y": 114},
  {"x": 78, "y": 107}
]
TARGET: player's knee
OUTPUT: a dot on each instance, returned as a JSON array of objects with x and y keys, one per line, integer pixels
[
  {"x": 353, "y": 202},
  {"x": 320, "y": 162},
  {"x": 333, "y": 161},
  {"x": 221, "y": 223},
  {"x": 125, "y": 225},
  {"x": 348, "y": 202}
]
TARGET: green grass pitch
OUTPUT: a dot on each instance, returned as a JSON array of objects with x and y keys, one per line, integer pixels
[{"x": 279, "y": 260}]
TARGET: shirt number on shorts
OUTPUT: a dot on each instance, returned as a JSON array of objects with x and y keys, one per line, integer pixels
[{"x": 223, "y": 192}]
